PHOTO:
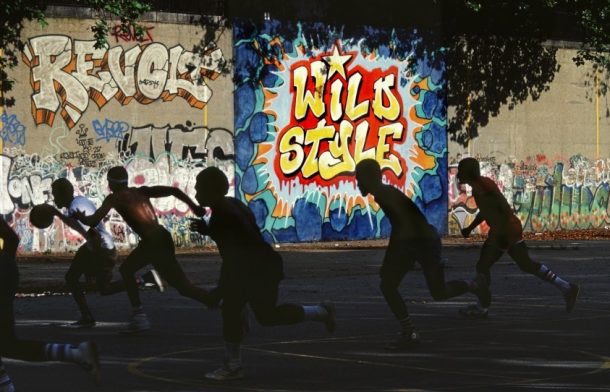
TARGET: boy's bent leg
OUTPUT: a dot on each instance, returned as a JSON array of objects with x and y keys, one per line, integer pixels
[
  {"x": 83, "y": 262},
  {"x": 136, "y": 260},
  {"x": 172, "y": 272},
  {"x": 262, "y": 296},
  {"x": 520, "y": 254},
  {"x": 106, "y": 261}
]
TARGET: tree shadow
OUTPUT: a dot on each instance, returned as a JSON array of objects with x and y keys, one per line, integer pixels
[{"x": 486, "y": 75}]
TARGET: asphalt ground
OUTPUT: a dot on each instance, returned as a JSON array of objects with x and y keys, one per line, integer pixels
[{"x": 528, "y": 343}]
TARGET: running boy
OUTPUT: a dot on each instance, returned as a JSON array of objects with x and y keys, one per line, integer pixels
[
  {"x": 156, "y": 245},
  {"x": 412, "y": 239},
  {"x": 250, "y": 274},
  {"x": 96, "y": 257},
  {"x": 505, "y": 235},
  {"x": 84, "y": 354}
]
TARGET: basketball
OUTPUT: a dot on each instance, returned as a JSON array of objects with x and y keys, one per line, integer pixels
[{"x": 42, "y": 215}]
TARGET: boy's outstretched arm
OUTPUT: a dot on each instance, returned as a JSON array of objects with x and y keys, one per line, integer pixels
[
  {"x": 468, "y": 229},
  {"x": 165, "y": 191},
  {"x": 10, "y": 239}
]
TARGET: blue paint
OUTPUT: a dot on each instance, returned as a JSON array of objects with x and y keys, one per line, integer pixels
[
  {"x": 244, "y": 150},
  {"x": 308, "y": 221},
  {"x": 247, "y": 64},
  {"x": 245, "y": 101},
  {"x": 258, "y": 127},
  {"x": 260, "y": 211},
  {"x": 250, "y": 182}
]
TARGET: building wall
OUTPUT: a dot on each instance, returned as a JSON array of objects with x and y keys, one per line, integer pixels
[
  {"x": 550, "y": 157},
  {"x": 149, "y": 106}
]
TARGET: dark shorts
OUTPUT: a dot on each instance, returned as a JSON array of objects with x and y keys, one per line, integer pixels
[
  {"x": 505, "y": 236},
  {"x": 95, "y": 263},
  {"x": 401, "y": 256}
]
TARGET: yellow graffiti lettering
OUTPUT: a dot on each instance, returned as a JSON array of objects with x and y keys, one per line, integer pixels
[
  {"x": 383, "y": 88},
  {"x": 383, "y": 148},
  {"x": 291, "y": 150},
  {"x": 313, "y": 137},
  {"x": 336, "y": 108},
  {"x": 338, "y": 159},
  {"x": 362, "y": 130},
  {"x": 352, "y": 110},
  {"x": 305, "y": 99}
]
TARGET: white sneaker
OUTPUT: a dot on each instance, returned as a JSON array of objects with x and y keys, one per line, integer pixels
[
  {"x": 90, "y": 360},
  {"x": 225, "y": 373},
  {"x": 139, "y": 323}
]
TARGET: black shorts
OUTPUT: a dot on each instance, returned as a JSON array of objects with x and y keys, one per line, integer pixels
[{"x": 401, "y": 256}]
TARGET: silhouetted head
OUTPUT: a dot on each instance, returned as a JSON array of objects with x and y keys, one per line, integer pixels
[
  {"x": 368, "y": 176},
  {"x": 63, "y": 192},
  {"x": 468, "y": 170},
  {"x": 117, "y": 178},
  {"x": 211, "y": 186}
]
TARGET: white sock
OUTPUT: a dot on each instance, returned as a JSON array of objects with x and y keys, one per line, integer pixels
[
  {"x": 233, "y": 355},
  {"x": 315, "y": 312}
]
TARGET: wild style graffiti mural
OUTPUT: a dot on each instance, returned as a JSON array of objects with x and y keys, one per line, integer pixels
[
  {"x": 546, "y": 194},
  {"x": 308, "y": 109}
]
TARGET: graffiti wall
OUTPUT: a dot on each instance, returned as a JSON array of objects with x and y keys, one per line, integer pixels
[
  {"x": 547, "y": 194},
  {"x": 311, "y": 101},
  {"x": 154, "y": 106}
]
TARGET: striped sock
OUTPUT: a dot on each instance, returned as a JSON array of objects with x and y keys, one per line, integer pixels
[
  {"x": 549, "y": 276},
  {"x": 406, "y": 325},
  {"x": 63, "y": 352}
]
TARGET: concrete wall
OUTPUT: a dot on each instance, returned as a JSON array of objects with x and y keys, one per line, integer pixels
[
  {"x": 546, "y": 156},
  {"x": 149, "y": 106}
]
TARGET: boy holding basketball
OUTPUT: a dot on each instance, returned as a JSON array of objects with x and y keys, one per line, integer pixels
[
  {"x": 250, "y": 274},
  {"x": 84, "y": 354},
  {"x": 96, "y": 257},
  {"x": 156, "y": 245}
]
